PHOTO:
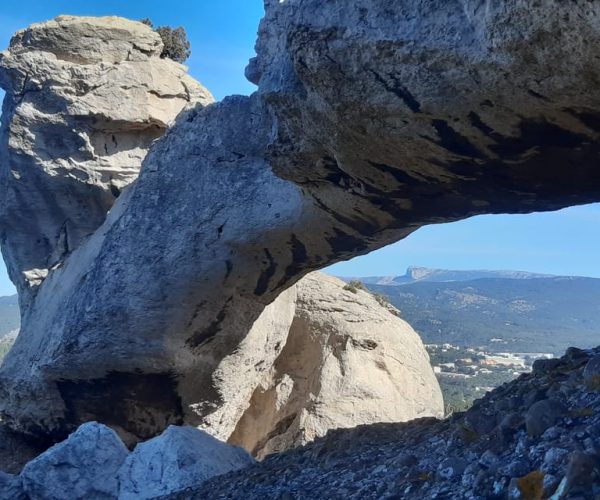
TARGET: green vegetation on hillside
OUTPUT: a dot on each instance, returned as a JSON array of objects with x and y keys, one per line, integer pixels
[
  {"x": 10, "y": 317},
  {"x": 354, "y": 286},
  {"x": 527, "y": 315}
]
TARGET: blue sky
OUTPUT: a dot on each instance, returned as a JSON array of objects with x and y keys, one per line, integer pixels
[{"x": 222, "y": 35}]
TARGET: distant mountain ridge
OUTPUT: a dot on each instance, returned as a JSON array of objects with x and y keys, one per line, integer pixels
[
  {"x": 416, "y": 274},
  {"x": 500, "y": 311}
]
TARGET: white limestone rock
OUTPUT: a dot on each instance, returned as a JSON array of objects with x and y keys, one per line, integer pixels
[
  {"x": 85, "y": 99},
  {"x": 238, "y": 374},
  {"x": 178, "y": 458},
  {"x": 84, "y": 467},
  {"x": 347, "y": 361}
]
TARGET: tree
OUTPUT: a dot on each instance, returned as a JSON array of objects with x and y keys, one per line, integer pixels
[{"x": 176, "y": 44}]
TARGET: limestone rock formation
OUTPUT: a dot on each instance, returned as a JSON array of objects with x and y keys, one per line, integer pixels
[
  {"x": 86, "y": 97},
  {"x": 237, "y": 375},
  {"x": 347, "y": 361},
  {"x": 178, "y": 458},
  {"x": 372, "y": 119},
  {"x": 84, "y": 466}
]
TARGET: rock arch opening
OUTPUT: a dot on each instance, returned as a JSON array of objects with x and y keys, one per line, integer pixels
[{"x": 492, "y": 294}]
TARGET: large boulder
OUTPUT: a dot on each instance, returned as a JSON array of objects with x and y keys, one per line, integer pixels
[
  {"x": 11, "y": 487},
  {"x": 84, "y": 466},
  {"x": 86, "y": 97},
  {"x": 348, "y": 360},
  {"x": 179, "y": 458},
  {"x": 372, "y": 119}
]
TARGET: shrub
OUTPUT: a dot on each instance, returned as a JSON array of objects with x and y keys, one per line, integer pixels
[
  {"x": 176, "y": 44},
  {"x": 531, "y": 486},
  {"x": 382, "y": 299},
  {"x": 354, "y": 286}
]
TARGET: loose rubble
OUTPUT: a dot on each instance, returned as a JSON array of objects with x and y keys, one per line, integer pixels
[{"x": 535, "y": 437}]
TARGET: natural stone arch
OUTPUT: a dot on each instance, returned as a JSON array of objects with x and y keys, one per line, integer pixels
[{"x": 371, "y": 120}]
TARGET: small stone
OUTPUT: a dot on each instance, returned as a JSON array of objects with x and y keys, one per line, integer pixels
[
  {"x": 469, "y": 475},
  {"x": 545, "y": 366},
  {"x": 483, "y": 484},
  {"x": 380, "y": 469},
  {"x": 406, "y": 460},
  {"x": 551, "y": 434},
  {"x": 575, "y": 355},
  {"x": 591, "y": 446},
  {"x": 550, "y": 484},
  {"x": 507, "y": 428},
  {"x": 591, "y": 372},
  {"x": 480, "y": 422},
  {"x": 451, "y": 468},
  {"x": 488, "y": 459},
  {"x": 579, "y": 476},
  {"x": 543, "y": 415},
  {"x": 499, "y": 486},
  {"x": 513, "y": 489},
  {"x": 533, "y": 396},
  {"x": 554, "y": 459},
  {"x": 516, "y": 467}
]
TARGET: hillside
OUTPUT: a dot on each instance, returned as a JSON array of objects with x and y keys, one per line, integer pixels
[
  {"x": 9, "y": 315},
  {"x": 546, "y": 314}
]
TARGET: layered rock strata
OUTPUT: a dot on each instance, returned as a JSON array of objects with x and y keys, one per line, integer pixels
[
  {"x": 371, "y": 120},
  {"x": 85, "y": 99}
]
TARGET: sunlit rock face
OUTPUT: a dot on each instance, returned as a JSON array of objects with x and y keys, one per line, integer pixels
[
  {"x": 86, "y": 97},
  {"x": 372, "y": 119},
  {"x": 346, "y": 361}
]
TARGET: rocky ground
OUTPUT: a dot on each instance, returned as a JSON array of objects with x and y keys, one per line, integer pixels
[{"x": 536, "y": 437}]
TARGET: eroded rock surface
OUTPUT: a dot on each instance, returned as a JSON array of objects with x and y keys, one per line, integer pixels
[
  {"x": 84, "y": 466},
  {"x": 347, "y": 361},
  {"x": 177, "y": 459},
  {"x": 372, "y": 118},
  {"x": 85, "y": 99}
]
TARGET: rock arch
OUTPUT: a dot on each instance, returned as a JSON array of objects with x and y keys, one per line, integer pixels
[{"x": 371, "y": 119}]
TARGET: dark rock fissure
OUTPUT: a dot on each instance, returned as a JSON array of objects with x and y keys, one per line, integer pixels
[
  {"x": 205, "y": 335},
  {"x": 147, "y": 402},
  {"x": 265, "y": 277},
  {"x": 398, "y": 89}
]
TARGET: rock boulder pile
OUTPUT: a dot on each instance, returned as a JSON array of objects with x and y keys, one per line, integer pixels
[{"x": 93, "y": 463}]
